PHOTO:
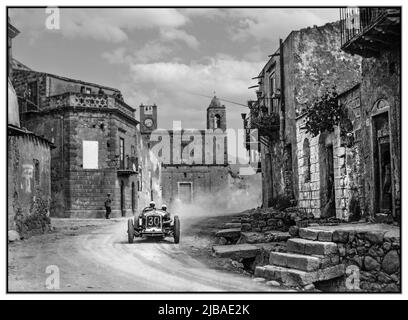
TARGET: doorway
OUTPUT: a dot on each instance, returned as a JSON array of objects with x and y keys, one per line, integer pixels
[
  {"x": 122, "y": 198},
  {"x": 382, "y": 163},
  {"x": 326, "y": 175},
  {"x": 133, "y": 198},
  {"x": 185, "y": 192},
  {"x": 330, "y": 208}
]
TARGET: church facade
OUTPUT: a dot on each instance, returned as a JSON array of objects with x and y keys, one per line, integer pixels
[{"x": 194, "y": 162}]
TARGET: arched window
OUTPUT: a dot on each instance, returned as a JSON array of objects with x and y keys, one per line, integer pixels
[
  {"x": 217, "y": 121},
  {"x": 306, "y": 160}
]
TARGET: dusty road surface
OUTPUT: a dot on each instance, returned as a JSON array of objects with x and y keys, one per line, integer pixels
[{"x": 93, "y": 255}]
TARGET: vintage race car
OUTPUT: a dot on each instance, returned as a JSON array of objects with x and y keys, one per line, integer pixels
[{"x": 154, "y": 223}]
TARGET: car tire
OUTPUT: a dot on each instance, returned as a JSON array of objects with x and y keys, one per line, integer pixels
[
  {"x": 176, "y": 230},
  {"x": 131, "y": 230}
]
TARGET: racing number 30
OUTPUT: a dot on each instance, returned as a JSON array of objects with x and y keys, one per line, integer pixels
[{"x": 153, "y": 221}]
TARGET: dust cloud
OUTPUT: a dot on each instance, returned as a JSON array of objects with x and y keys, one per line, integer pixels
[{"x": 242, "y": 194}]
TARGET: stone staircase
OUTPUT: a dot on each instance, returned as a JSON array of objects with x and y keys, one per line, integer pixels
[{"x": 310, "y": 258}]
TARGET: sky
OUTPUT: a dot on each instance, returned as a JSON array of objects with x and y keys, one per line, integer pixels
[{"x": 176, "y": 58}]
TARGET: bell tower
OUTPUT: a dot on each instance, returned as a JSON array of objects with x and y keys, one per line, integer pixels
[
  {"x": 148, "y": 118},
  {"x": 216, "y": 115}
]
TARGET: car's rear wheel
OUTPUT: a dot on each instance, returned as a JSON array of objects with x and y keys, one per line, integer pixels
[
  {"x": 131, "y": 230},
  {"x": 176, "y": 229}
]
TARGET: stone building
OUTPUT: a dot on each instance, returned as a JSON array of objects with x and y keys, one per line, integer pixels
[
  {"x": 375, "y": 35},
  {"x": 28, "y": 168},
  {"x": 194, "y": 162},
  {"x": 98, "y": 147},
  {"x": 306, "y": 63},
  {"x": 330, "y": 168}
]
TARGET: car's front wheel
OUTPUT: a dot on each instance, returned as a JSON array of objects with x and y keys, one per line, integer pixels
[
  {"x": 131, "y": 230},
  {"x": 176, "y": 229}
]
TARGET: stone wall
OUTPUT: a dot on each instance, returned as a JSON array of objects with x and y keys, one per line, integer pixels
[
  {"x": 29, "y": 184},
  {"x": 377, "y": 254}
]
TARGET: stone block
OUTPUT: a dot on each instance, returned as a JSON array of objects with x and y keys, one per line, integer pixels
[
  {"x": 325, "y": 236},
  {"x": 391, "y": 262},
  {"x": 320, "y": 248},
  {"x": 340, "y": 236},
  {"x": 307, "y": 233},
  {"x": 375, "y": 236},
  {"x": 233, "y": 233},
  {"x": 294, "y": 261},
  {"x": 236, "y": 252},
  {"x": 232, "y": 225}
]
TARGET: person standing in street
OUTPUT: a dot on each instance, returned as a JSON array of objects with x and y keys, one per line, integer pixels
[{"x": 108, "y": 206}]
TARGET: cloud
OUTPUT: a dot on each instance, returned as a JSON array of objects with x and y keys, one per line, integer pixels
[
  {"x": 265, "y": 24},
  {"x": 99, "y": 24},
  {"x": 177, "y": 88},
  {"x": 151, "y": 51},
  {"x": 178, "y": 34}
]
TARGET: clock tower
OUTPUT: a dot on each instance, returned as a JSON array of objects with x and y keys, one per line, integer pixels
[{"x": 148, "y": 118}]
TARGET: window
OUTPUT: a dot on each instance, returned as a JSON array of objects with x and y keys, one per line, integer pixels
[
  {"x": 32, "y": 92},
  {"x": 122, "y": 152},
  {"x": 36, "y": 172},
  {"x": 272, "y": 84},
  {"x": 306, "y": 160},
  {"x": 86, "y": 90},
  {"x": 217, "y": 121},
  {"x": 90, "y": 154}
]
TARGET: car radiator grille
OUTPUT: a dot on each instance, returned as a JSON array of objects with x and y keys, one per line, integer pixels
[{"x": 153, "y": 221}]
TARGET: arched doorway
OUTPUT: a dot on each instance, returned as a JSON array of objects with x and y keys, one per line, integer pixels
[{"x": 382, "y": 162}]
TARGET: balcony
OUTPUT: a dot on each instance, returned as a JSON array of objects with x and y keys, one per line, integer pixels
[
  {"x": 84, "y": 100},
  {"x": 127, "y": 166},
  {"x": 369, "y": 31}
]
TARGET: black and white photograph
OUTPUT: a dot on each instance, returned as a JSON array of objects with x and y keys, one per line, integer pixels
[{"x": 183, "y": 150}]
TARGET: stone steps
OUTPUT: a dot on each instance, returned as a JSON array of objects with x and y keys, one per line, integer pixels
[
  {"x": 311, "y": 258},
  {"x": 311, "y": 247},
  {"x": 298, "y": 278},
  {"x": 295, "y": 261}
]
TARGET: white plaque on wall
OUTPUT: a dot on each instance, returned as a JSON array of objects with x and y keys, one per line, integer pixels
[{"x": 90, "y": 154}]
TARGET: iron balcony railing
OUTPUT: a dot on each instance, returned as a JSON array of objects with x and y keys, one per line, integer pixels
[
  {"x": 129, "y": 164},
  {"x": 355, "y": 20}
]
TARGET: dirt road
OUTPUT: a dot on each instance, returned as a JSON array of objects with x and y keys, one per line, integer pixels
[{"x": 93, "y": 255}]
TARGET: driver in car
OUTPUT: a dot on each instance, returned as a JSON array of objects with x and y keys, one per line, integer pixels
[{"x": 166, "y": 217}]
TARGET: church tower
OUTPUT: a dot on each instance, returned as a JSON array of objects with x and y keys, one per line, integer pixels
[
  {"x": 216, "y": 115},
  {"x": 148, "y": 118}
]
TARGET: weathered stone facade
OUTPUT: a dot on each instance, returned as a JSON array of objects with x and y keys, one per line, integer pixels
[
  {"x": 331, "y": 170},
  {"x": 98, "y": 146},
  {"x": 311, "y": 61},
  {"x": 379, "y": 43},
  {"x": 29, "y": 184},
  {"x": 381, "y": 99}
]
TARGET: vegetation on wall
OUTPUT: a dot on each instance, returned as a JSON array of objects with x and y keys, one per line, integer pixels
[
  {"x": 37, "y": 220},
  {"x": 325, "y": 113}
]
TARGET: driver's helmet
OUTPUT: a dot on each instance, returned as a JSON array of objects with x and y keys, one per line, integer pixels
[
  {"x": 164, "y": 207},
  {"x": 152, "y": 204}
]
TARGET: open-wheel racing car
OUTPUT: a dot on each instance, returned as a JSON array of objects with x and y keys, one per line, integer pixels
[{"x": 154, "y": 223}]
